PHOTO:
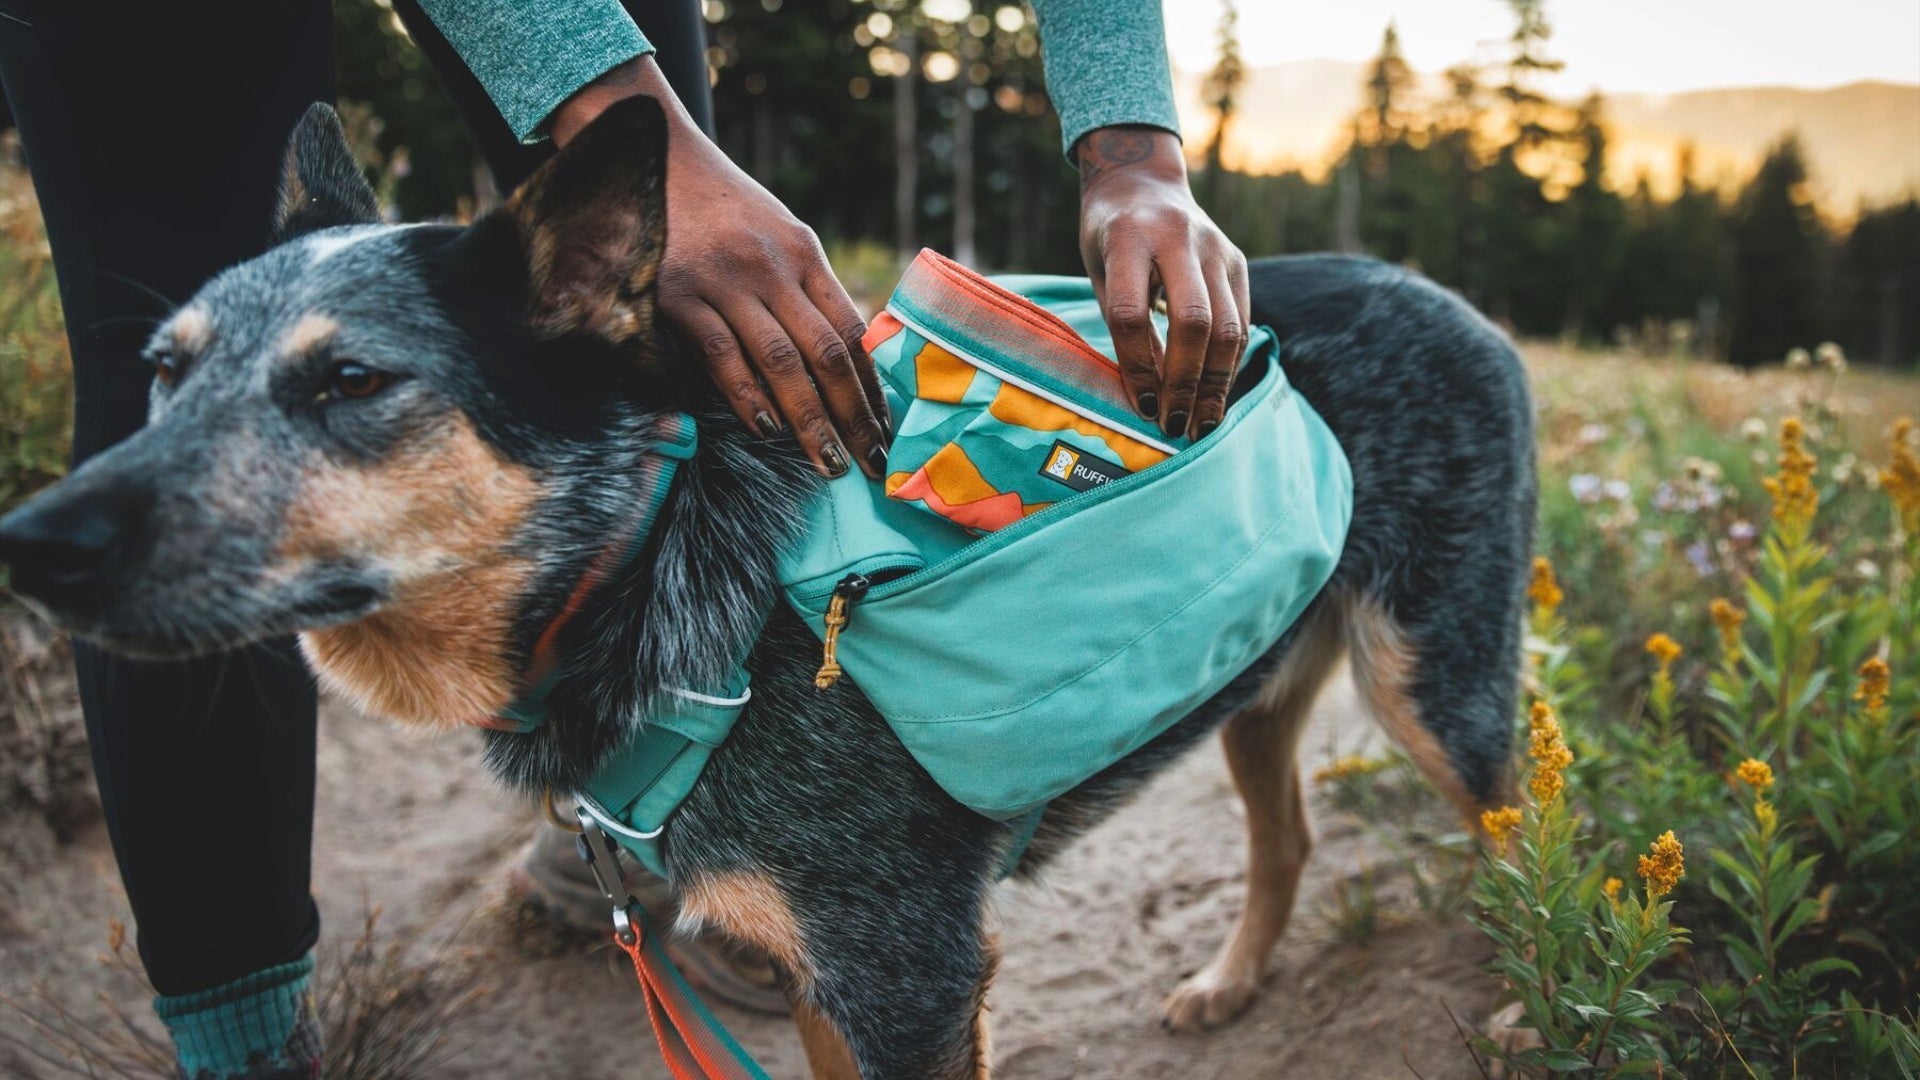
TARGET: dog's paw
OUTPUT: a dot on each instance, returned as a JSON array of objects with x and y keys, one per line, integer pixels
[{"x": 1209, "y": 998}]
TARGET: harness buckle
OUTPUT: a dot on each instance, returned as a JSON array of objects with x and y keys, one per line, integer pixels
[{"x": 602, "y": 857}]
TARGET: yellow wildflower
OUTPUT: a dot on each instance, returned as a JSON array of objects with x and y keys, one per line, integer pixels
[
  {"x": 1728, "y": 619},
  {"x": 1663, "y": 865},
  {"x": 1664, "y": 649},
  {"x": 1755, "y": 773},
  {"x": 1548, "y": 749},
  {"x": 1500, "y": 824},
  {"x": 1544, "y": 589},
  {"x": 1875, "y": 679},
  {"x": 1901, "y": 478},
  {"x": 1611, "y": 887},
  {"x": 1351, "y": 765},
  {"x": 1763, "y": 812},
  {"x": 1795, "y": 499}
]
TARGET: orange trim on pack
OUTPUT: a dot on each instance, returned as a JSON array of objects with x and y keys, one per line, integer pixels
[{"x": 964, "y": 288}]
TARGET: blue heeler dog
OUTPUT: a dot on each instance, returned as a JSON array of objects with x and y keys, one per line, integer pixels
[{"x": 372, "y": 435}]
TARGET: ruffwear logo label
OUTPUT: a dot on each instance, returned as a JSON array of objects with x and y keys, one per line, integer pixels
[{"x": 1078, "y": 469}]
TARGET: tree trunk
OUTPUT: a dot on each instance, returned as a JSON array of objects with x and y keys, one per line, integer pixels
[
  {"x": 1346, "y": 213},
  {"x": 906, "y": 150},
  {"x": 963, "y": 223}
]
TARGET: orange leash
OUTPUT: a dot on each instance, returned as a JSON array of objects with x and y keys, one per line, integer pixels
[{"x": 691, "y": 1038}]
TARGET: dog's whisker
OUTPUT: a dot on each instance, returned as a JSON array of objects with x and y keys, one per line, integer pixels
[{"x": 166, "y": 302}]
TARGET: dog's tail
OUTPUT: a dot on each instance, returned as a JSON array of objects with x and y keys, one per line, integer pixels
[{"x": 1430, "y": 402}]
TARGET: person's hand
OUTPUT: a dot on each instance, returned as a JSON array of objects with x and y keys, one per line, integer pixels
[
  {"x": 749, "y": 286},
  {"x": 1141, "y": 233}
]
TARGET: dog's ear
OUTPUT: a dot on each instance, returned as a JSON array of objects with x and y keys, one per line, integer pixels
[
  {"x": 322, "y": 185},
  {"x": 593, "y": 224}
]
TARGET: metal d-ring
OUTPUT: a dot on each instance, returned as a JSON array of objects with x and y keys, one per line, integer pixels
[{"x": 554, "y": 817}]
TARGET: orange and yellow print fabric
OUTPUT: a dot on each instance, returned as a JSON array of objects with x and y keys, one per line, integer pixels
[{"x": 986, "y": 440}]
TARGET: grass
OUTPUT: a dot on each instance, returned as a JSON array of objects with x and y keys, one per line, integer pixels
[
  {"x": 36, "y": 385},
  {"x": 388, "y": 1011}
]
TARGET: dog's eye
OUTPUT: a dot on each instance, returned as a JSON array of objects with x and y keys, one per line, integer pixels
[
  {"x": 351, "y": 380},
  {"x": 166, "y": 368}
]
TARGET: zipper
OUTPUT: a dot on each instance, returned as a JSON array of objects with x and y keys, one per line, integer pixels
[{"x": 839, "y": 612}]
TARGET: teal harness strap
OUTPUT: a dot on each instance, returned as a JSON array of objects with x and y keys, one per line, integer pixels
[
  {"x": 675, "y": 439},
  {"x": 635, "y": 792}
]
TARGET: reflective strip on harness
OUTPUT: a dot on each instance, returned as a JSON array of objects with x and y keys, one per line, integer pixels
[{"x": 636, "y": 790}]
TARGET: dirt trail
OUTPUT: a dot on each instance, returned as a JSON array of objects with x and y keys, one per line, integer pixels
[{"x": 412, "y": 826}]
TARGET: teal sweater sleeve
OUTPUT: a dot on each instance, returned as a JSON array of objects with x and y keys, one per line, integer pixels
[
  {"x": 532, "y": 56},
  {"x": 258, "y": 1027},
  {"x": 1106, "y": 63}
]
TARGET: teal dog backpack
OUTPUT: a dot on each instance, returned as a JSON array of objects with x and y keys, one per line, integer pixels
[{"x": 1044, "y": 581}]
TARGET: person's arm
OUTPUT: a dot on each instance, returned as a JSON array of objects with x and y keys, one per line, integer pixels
[
  {"x": 532, "y": 57},
  {"x": 1141, "y": 231},
  {"x": 744, "y": 280}
]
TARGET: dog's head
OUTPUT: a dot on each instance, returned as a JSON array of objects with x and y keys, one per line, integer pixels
[{"x": 362, "y": 425}]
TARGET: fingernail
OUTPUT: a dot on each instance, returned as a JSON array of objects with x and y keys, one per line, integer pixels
[
  {"x": 835, "y": 460},
  {"x": 1177, "y": 423},
  {"x": 1150, "y": 405},
  {"x": 1207, "y": 427},
  {"x": 877, "y": 457},
  {"x": 764, "y": 425}
]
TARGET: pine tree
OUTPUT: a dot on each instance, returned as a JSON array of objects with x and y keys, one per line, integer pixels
[
  {"x": 1385, "y": 118},
  {"x": 1877, "y": 286},
  {"x": 1221, "y": 93},
  {"x": 1778, "y": 256},
  {"x": 1597, "y": 239},
  {"x": 1386, "y": 212},
  {"x": 1532, "y": 109}
]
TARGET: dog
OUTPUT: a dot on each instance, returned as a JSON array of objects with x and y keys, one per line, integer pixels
[{"x": 406, "y": 443}]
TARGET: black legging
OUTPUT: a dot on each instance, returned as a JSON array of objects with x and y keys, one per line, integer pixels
[{"x": 155, "y": 134}]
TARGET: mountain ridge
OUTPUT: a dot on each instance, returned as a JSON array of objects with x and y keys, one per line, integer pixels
[{"x": 1862, "y": 138}]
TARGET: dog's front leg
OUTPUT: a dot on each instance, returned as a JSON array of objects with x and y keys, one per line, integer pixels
[
  {"x": 886, "y": 984},
  {"x": 936, "y": 1040}
]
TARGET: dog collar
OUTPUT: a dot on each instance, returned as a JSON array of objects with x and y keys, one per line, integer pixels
[{"x": 674, "y": 440}]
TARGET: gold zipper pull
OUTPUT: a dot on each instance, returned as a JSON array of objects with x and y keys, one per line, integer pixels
[{"x": 839, "y": 613}]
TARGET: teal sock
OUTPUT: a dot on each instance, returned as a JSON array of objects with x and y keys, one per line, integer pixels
[{"x": 257, "y": 1027}]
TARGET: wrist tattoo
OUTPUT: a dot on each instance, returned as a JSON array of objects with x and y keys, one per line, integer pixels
[{"x": 1107, "y": 149}]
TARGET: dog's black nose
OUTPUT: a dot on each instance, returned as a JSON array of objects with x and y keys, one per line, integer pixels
[{"x": 61, "y": 547}]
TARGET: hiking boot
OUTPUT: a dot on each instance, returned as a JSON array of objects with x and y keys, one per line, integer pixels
[{"x": 552, "y": 879}]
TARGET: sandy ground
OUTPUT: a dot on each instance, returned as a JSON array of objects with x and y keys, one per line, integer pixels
[{"x": 412, "y": 826}]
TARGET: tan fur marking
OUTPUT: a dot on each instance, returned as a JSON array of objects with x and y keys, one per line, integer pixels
[
  {"x": 192, "y": 330},
  {"x": 750, "y": 907},
  {"x": 1261, "y": 743},
  {"x": 982, "y": 1019},
  {"x": 438, "y": 516},
  {"x": 1383, "y": 666},
  {"x": 311, "y": 331},
  {"x": 828, "y": 1055}
]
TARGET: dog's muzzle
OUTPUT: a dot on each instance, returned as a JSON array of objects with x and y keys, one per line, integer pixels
[{"x": 65, "y": 549}]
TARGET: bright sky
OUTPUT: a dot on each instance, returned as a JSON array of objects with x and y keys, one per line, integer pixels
[{"x": 1657, "y": 46}]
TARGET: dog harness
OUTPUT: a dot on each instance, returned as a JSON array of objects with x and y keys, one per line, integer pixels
[
  {"x": 1043, "y": 583},
  {"x": 644, "y": 782}
]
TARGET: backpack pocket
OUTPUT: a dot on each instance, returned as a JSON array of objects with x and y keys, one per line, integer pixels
[
  {"x": 1018, "y": 653},
  {"x": 1004, "y": 408}
]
